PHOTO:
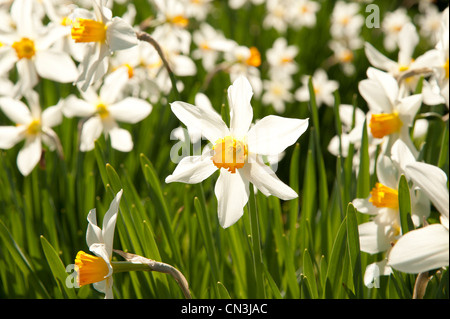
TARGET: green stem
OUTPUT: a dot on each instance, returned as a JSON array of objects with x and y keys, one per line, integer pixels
[{"x": 256, "y": 240}]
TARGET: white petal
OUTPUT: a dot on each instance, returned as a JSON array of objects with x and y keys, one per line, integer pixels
[
  {"x": 387, "y": 172},
  {"x": 421, "y": 250},
  {"x": 266, "y": 181},
  {"x": 120, "y": 35},
  {"x": 183, "y": 66},
  {"x": 56, "y": 66},
  {"x": 73, "y": 106},
  {"x": 109, "y": 223},
  {"x": 93, "y": 233},
  {"x": 273, "y": 134},
  {"x": 363, "y": 206},
  {"x": 52, "y": 116},
  {"x": 372, "y": 237},
  {"x": 375, "y": 97},
  {"x": 433, "y": 181},
  {"x": 407, "y": 41},
  {"x": 16, "y": 110},
  {"x": 10, "y": 136},
  {"x": 377, "y": 59},
  {"x": 130, "y": 110},
  {"x": 401, "y": 154},
  {"x": 198, "y": 117},
  {"x": 28, "y": 77},
  {"x": 386, "y": 81},
  {"x": 241, "y": 112},
  {"x": 374, "y": 271},
  {"x": 232, "y": 194},
  {"x": 408, "y": 108},
  {"x": 29, "y": 155},
  {"x": 121, "y": 139},
  {"x": 192, "y": 170},
  {"x": 91, "y": 130},
  {"x": 113, "y": 85}
]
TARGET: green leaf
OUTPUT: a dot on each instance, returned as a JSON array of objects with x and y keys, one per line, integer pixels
[
  {"x": 160, "y": 204},
  {"x": 21, "y": 261},
  {"x": 223, "y": 292},
  {"x": 308, "y": 270},
  {"x": 334, "y": 270},
  {"x": 57, "y": 268},
  {"x": 354, "y": 250},
  {"x": 404, "y": 205},
  {"x": 363, "y": 186}
]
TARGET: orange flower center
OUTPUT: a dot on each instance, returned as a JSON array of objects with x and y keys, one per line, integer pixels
[
  {"x": 86, "y": 30},
  {"x": 90, "y": 268},
  {"x": 24, "y": 48},
  {"x": 384, "y": 124},
  {"x": 383, "y": 196},
  {"x": 229, "y": 153},
  {"x": 255, "y": 57}
]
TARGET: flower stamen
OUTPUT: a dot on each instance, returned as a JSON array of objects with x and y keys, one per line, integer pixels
[
  {"x": 24, "y": 48},
  {"x": 229, "y": 153},
  {"x": 86, "y": 30},
  {"x": 384, "y": 124},
  {"x": 90, "y": 269},
  {"x": 383, "y": 196}
]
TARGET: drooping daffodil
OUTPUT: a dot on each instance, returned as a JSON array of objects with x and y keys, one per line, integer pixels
[{"x": 97, "y": 270}]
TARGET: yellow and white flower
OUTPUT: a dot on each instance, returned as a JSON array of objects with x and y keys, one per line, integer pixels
[
  {"x": 97, "y": 270},
  {"x": 426, "y": 248},
  {"x": 104, "y": 109},
  {"x": 236, "y": 151},
  {"x": 32, "y": 125},
  {"x": 102, "y": 34}
]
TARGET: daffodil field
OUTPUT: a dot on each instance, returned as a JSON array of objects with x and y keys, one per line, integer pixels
[{"x": 243, "y": 149}]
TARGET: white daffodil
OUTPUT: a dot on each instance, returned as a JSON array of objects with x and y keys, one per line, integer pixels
[
  {"x": 244, "y": 61},
  {"x": 173, "y": 20},
  {"x": 104, "y": 109},
  {"x": 32, "y": 125},
  {"x": 303, "y": 14},
  {"x": 391, "y": 115},
  {"x": 426, "y": 248},
  {"x": 346, "y": 23},
  {"x": 29, "y": 48},
  {"x": 97, "y": 270},
  {"x": 281, "y": 58},
  {"x": 379, "y": 234},
  {"x": 210, "y": 43},
  {"x": 407, "y": 42},
  {"x": 236, "y": 151},
  {"x": 102, "y": 34},
  {"x": 391, "y": 26},
  {"x": 277, "y": 15},
  {"x": 277, "y": 92},
  {"x": 323, "y": 88}
]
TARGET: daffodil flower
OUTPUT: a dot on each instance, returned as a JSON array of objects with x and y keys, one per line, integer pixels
[
  {"x": 408, "y": 40},
  {"x": 378, "y": 234},
  {"x": 103, "y": 35},
  {"x": 32, "y": 125},
  {"x": 236, "y": 150},
  {"x": 323, "y": 88},
  {"x": 426, "y": 248},
  {"x": 97, "y": 270},
  {"x": 104, "y": 109},
  {"x": 29, "y": 47},
  {"x": 391, "y": 115}
]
